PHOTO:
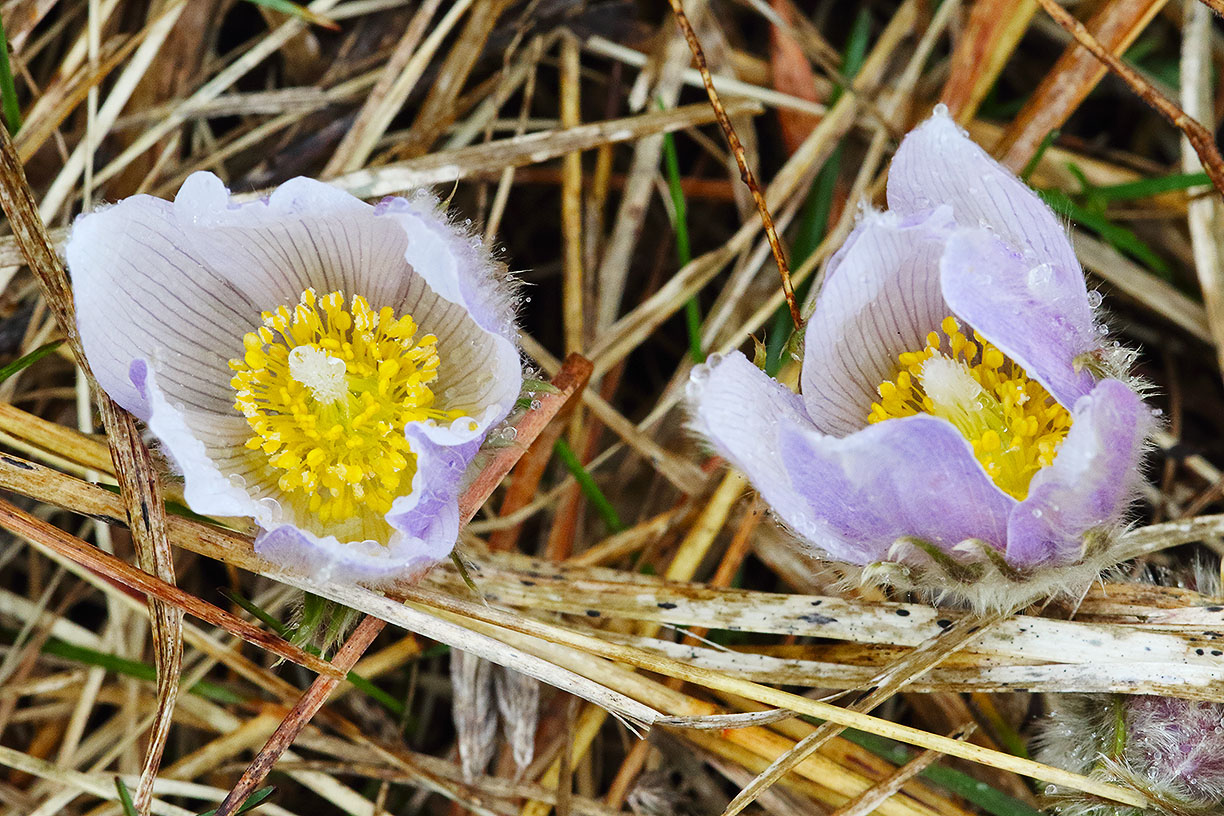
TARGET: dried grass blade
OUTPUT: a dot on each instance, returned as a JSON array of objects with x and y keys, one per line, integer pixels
[
  {"x": 1115, "y": 26},
  {"x": 873, "y": 798},
  {"x": 921, "y": 660},
  {"x": 47, "y": 535},
  {"x": 1204, "y": 213},
  {"x": 737, "y": 149},
  {"x": 988, "y": 40}
]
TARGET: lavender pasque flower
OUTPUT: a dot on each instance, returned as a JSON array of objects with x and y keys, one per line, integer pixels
[
  {"x": 325, "y": 367},
  {"x": 959, "y": 406},
  {"x": 1169, "y": 748}
]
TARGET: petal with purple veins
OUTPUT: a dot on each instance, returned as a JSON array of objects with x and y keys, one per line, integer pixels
[
  {"x": 881, "y": 297},
  {"x": 1090, "y": 483},
  {"x": 852, "y": 497},
  {"x": 1033, "y": 313},
  {"x": 910, "y": 477},
  {"x": 938, "y": 164}
]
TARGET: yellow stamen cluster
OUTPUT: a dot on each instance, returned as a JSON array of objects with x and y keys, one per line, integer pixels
[
  {"x": 1012, "y": 422},
  {"x": 328, "y": 391}
]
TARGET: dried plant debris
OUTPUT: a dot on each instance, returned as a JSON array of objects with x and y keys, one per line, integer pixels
[{"x": 590, "y": 407}]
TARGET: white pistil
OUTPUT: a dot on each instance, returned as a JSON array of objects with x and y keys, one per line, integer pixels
[
  {"x": 322, "y": 373},
  {"x": 959, "y": 398}
]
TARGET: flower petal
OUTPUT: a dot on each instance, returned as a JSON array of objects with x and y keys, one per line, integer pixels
[
  {"x": 881, "y": 297},
  {"x": 1033, "y": 314},
  {"x": 141, "y": 295},
  {"x": 851, "y": 497},
  {"x": 426, "y": 524},
  {"x": 403, "y": 254},
  {"x": 1090, "y": 483},
  {"x": 937, "y": 163},
  {"x": 219, "y": 472}
]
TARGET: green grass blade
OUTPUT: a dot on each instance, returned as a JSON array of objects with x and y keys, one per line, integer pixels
[
  {"x": 132, "y": 668},
  {"x": 814, "y": 220},
  {"x": 253, "y": 801},
  {"x": 1041, "y": 151},
  {"x": 990, "y": 800},
  {"x": 684, "y": 253},
  {"x": 1145, "y": 188},
  {"x": 8, "y": 88},
  {"x": 301, "y": 12},
  {"x": 589, "y": 489},
  {"x": 125, "y": 798},
  {"x": 1121, "y": 238},
  {"x": 24, "y": 362}
]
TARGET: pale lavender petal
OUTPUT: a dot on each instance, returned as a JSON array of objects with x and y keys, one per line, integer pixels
[
  {"x": 1033, "y": 314},
  {"x": 881, "y": 297},
  {"x": 139, "y": 295},
  {"x": 453, "y": 261},
  {"x": 166, "y": 291},
  {"x": 327, "y": 559},
  {"x": 401, "y": 254},
  {"x": 1091, "y": 482},
  {"x": 914, "y": 476},
  {"x": 852, "y": 497},
  {"x": 741, "y": 411},
  {"x": 426, "y": 524},
  {"x": 937, "y": 163},
  {"x": 206, "y": 449}
]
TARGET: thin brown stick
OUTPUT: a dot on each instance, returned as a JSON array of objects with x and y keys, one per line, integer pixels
[
  {"x": 1199, "y": 137},
  {"x": 128, "y": 577},
  {"x": 737, "y": 148},
  {"x": 568, "y": 382},
  {"x": 301, "y": 714}
]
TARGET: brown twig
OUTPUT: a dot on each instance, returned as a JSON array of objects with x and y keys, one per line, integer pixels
[
  {"x": 1199, "y": 137},
  {"x": 141, "y": 489},
  {"x": 568, "y": 382},
  {"x": 737, "y": 148},
  {"x": 301, "y": 714}
]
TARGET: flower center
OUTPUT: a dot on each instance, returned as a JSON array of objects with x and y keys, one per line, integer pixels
[
  {"x": 1012, "y": 422},
  {"x": 327, "y": 392}
]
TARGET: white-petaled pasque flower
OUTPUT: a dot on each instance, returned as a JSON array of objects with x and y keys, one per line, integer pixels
[{"x": 323, "y": 366}]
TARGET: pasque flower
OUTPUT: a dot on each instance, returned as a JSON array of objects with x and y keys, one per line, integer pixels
[
  {"x": 960, "y": 407},
  {"x": 1169, "y": 748},
  {"x": 325, "y": 367}
]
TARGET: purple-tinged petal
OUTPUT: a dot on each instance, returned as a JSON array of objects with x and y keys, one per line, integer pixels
[
  {"x": 208, "y": 450},
  {"x": 140, "y": 295},
  {"x": 852, "y": 497},
  {"x": 453, "y": 261},
  {"x": 325, "y": 558},
  {"x": 1033, "y": 313},
  {"x": 741, "y": 412},
  {"x": 1090, "y": 483},
  {"x": 402, "y": 254},
  {"x": 881, "y": 297},
  {"x": 426, "y": 524},
  {"x": 937, "y": 163},
  {"x": 914, "y": 476}
]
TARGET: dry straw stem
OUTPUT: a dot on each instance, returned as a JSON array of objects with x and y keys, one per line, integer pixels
[
  {"x": 141, "y": 487},
  {"x": 1115, "y": 24},
  {"x": 737, "y": 149},
  {"x": 78, "y": 551},
  {"x": 1203, "y": 213},
  {"x": 1200, "y": 138},
  {"x": 630, "y": 331},
  {"x": 870, "y": 619},
  {"x": 896, "y": 676}
]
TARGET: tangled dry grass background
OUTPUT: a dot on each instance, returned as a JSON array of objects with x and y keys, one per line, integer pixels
[{"x": 616, "y": 561}]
